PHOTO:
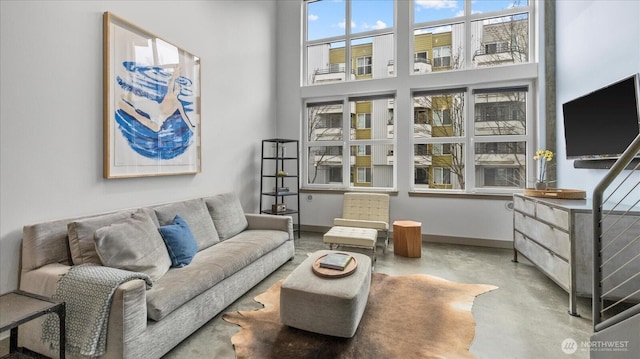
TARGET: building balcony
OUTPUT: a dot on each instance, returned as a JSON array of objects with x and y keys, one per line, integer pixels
[
  {"x": 331, "y": 75},
  {"x": 330, "y": 160},
  {"x": 330, "y": 134},
  {"x": 488, "y": 128},
  {"x": 422, "y": 130},
  {"x": 420, "y": 66},
  {"x": 500, "y": 159},
  {"x": 481, "y": 57},
  {"x": 422, "y": 160}
]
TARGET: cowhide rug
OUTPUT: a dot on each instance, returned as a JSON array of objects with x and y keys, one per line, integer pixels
[{"x": 408, "y": 316}]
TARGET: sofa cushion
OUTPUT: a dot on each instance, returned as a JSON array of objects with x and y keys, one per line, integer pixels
[
  {"x": 133, "y": 244},
  {"x": 45, "y": 243},
  {"x": 209, "y": 266},
  {"x": 81, "y": 244},
  {"x": 227, "y": 214},
  {"x": 195, "y": 213},
  {"x": 80, "y": 232},
  {"x": 180, "y": 242}
]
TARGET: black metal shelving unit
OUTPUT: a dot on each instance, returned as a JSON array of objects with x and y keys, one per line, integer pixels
[{"x": 279, "y": 182}]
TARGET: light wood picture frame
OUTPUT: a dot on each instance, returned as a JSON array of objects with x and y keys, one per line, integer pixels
[{"x": 151, "y": 104}]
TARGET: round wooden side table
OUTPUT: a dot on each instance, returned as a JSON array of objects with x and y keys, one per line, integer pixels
[{"x": 407, "y": 239}]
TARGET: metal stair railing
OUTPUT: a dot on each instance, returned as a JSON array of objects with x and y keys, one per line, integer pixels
[{"x": 616, "y": 236}]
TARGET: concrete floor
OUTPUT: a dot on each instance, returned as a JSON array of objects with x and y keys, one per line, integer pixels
[{"x": 526, "y": 317}]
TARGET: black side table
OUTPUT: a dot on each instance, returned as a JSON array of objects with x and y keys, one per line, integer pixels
[{"x": 18, "y": 307}]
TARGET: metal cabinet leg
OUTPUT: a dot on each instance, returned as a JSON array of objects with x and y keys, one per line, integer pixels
[{"x": 572, "y": 304}]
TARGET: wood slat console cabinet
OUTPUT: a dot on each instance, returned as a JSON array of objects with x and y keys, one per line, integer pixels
[{"x": 556, "y": 235}]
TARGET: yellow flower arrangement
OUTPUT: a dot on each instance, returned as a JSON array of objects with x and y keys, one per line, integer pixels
[{"x": 544, "y": 156}]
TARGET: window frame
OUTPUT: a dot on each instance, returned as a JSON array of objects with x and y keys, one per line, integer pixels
[
  {"x": 469, "y": 139},
  {"x": 363, "y": 120},
  {"x": 438, "y": 60},
  {"x": 350, "y": 39},
  {"x": 349, "y": 144},
  {"x": 367, "y": 175},
  {"x": 366, "y": 67},
  {"x": 404, "y": 83}
]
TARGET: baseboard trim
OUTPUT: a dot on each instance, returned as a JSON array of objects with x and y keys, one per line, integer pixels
[
  {"x": 467, "y": 241},
  {"x": 434, "y": 238}
]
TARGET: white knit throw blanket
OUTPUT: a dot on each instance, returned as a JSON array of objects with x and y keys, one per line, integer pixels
[{"x": 87, "y": 290}]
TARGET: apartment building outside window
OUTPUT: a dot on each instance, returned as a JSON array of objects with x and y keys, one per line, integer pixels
[
  {"x": 364, "y": 65},
  {"x": 473, "y": 137},
  {"x": 364, "y": 120},
  {"x": 360, "y": 144}
]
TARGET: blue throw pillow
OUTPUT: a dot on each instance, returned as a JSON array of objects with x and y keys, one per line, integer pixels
[{"x": 180, "y": 242}]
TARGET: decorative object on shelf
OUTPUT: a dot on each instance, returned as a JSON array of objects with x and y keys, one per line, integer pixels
[
  {"x": 279, "y": 207},
  {"x": 544, "y": 157},
  {"x": 151, "y": 109},
  {"x": 279, "y": 150},
  {"x": 282, "y": 174}
]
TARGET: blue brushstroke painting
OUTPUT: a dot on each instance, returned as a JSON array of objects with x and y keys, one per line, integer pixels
[{"x": 152, "y": 113}]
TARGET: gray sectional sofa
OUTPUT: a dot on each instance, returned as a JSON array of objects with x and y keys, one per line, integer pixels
[{"x": 235, "y": 251}]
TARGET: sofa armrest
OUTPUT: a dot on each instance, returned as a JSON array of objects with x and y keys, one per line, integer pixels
[
  {"x": 129, "y": 310},
  {"x": 270, "y": 221},
  {"x": 128, "y": 313}
]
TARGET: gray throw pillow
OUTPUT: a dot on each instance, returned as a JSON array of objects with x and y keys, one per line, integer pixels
[
  {"x": 197, "y": 217},
  {"x": 81, "y": 244},
  {"x": 133, "y": 244},
  {"x": 80, "y": 233},
  {"x": 227, "y": 214}
]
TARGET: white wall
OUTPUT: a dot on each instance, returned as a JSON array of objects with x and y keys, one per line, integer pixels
[
  {"x": 598, "y": 42},
  {"x": 51, "y": 107}
]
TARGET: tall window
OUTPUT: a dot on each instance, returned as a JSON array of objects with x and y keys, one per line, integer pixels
[
  {"x": 442, "y": 139},
  {"x": 500, "y": 134},
  {"x": 342, "y": 37},
  {"x": 498, "y": 131},
  {"x": 467, "y": 127},
  {"x": 361, "y": 145}
]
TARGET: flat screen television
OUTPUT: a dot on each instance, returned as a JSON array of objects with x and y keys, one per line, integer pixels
[{"x": 603, "y": 123}]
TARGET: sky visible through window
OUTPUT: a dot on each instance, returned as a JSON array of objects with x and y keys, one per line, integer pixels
[{"x": 327, "y": 18}]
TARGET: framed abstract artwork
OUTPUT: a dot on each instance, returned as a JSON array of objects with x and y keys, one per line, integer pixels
[{"x": 151, "y": 104}]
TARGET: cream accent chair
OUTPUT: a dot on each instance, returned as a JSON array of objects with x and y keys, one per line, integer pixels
[{"x": 366, "y": 210}]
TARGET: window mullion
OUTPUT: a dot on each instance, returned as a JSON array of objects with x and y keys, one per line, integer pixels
[
  {"x": 347, "y": 49},
  {"x": 346, "y": 138},
  {"x": 469, "y": 136}
]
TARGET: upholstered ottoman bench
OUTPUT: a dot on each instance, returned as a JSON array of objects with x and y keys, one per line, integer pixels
[
  {"x": 330, "y": 306},
  {"x": 352, "y": 237}
]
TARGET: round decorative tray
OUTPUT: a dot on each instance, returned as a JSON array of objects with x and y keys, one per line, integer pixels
[
  {"x": 556, "y": 193},
  {"x": 334, "y": 273}
]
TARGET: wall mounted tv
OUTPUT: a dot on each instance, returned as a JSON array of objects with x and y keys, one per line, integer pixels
[{"x": 603, "y": 123}]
